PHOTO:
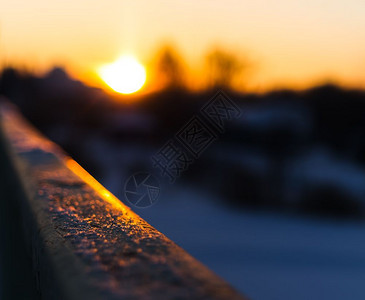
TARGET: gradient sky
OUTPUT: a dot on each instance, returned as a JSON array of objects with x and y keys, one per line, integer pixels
[{"x": 290, "y": 43}]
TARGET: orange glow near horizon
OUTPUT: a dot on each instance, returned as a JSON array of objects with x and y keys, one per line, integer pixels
[{"x": 292, "y": 44}]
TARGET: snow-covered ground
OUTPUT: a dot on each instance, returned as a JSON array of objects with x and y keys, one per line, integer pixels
[{"x": 265, "y": 255}]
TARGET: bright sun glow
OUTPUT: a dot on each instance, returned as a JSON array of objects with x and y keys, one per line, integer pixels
[{"x": 126, "y": 75}]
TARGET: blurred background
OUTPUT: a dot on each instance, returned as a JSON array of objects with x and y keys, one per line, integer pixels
[{"x": 276, "y": 204}]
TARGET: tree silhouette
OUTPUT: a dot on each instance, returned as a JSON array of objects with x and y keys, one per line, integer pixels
[
  {"x": 170, "y": 67},
  {"x": 223, "y": 68}
]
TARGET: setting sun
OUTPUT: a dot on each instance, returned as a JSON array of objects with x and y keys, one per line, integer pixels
[{"x": 126, "y": 75}]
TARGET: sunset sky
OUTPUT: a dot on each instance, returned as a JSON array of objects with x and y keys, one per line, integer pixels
[{"x": 290, "y": 43}]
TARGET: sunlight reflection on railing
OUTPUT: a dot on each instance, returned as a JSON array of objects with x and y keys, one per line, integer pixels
[{"x": 102, "y": 191}]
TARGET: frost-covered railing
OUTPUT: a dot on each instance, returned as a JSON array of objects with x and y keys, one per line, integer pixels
[{"x": 85, "y": 243}]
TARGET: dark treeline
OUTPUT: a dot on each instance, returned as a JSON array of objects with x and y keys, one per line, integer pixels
[{"x": 302, "y": 151}]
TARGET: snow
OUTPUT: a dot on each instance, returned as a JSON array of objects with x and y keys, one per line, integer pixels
[
  {"x": 267, "y": 117},
  {"x": 265, "y": 255},
  {"x": 262, "y": 254},
  {"x": 320, "y": 167}
]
